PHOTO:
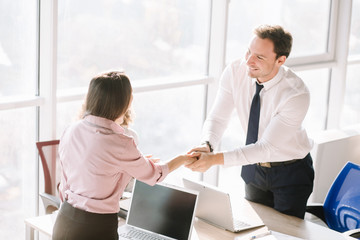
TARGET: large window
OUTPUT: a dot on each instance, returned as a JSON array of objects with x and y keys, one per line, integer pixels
[
  {"x": 18, "y": 69},
  {"x": 317, "y": 80},
  {"x": 18, "y": 47},
  {"x": 17, "y": 170},
  {"x": 351, "y": 109},
  {"x": 147, "y": 39},
  {"x": 354, "y": 42},
  {"x": 155, "y": 43},
  {"x": 308, "y": 22},
  {"x": 169, "y": 123}
]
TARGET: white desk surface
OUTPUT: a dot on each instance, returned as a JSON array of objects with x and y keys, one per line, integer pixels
[{"x": 273, "y": 220}]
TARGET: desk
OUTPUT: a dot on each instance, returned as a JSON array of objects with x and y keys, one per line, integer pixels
[
  {"x": 203, "y": 231},
  {"x": 294, "y": 226},
  {"x": 43, "y": 224}
]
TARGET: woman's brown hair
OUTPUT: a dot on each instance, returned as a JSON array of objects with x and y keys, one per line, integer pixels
[{"x": 109, "y": 95}]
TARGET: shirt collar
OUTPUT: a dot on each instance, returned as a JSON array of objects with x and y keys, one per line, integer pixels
[
  {"x": 104, "y": 123},
  {"x": 272, "y": 82}
]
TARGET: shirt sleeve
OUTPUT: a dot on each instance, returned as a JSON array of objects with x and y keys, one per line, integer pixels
[
  {"x": 143, "y": 169},
  {"x": 279, "y": 142},
  {"x": 219, "y": 116}
]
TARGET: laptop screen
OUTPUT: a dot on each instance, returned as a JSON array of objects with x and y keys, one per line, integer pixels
[{"x": 162, "y": 209}]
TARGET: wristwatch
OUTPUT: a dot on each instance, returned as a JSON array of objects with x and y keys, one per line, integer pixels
[{"x": 209, "y": 145}]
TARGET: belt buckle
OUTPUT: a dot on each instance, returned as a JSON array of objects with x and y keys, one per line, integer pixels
[{"x": 265, "y": 164}]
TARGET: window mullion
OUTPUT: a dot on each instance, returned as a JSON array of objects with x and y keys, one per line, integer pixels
[
  {"x": 47, "y": 69},
  {"x": 217, "y": 48},
  {"x": 338, "y": 73}
]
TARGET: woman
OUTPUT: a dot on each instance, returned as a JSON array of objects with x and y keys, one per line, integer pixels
[{"x": 98, "y": 160}]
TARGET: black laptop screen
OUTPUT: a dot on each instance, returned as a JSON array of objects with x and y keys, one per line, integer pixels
[{"x": 164, "y": 210}]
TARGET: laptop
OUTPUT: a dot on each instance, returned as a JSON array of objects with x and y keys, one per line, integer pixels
[
  {"x": 161, "y": 211},
  {"x": 214, "y": 207}
]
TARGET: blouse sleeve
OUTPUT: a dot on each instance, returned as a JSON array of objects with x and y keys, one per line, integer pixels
[{"x": 143, "y": 169}]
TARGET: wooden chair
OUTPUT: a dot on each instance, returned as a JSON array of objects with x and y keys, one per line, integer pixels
[{"x": 48, "y": 151}]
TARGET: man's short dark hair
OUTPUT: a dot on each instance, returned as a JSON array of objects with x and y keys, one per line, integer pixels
[{"x": 282, "y": 39}]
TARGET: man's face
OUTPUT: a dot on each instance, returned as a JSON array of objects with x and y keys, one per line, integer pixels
[{"x": 261, "y": 59}]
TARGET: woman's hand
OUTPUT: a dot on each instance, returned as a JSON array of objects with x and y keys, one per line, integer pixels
[
  {"x": 150, "y": 158},
  {"x": 205, "y": 161},
  {"x": 180, "y": 160}
]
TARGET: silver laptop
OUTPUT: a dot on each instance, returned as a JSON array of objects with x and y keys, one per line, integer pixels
[
  {"x": 160, "y": 212},
  {"x": 215, "y": 208}
]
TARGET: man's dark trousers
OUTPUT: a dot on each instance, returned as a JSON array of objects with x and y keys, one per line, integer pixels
[{"x": 284, "y": 187}]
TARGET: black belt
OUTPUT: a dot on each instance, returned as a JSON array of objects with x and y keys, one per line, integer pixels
[{"x": 276, "y": 164}]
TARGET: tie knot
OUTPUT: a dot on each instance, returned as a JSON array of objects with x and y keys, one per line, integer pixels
[{"x": 258, "y": 88}]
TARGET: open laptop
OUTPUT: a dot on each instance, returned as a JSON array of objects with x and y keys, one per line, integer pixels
[
  {"x": 161, "y": 211},
  {"x": 214, "y": 207}
]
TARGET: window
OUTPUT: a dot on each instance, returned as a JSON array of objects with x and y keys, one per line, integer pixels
[
  {"x": 229, "y": 178},
  {"x": 317, "y": 80},
  {"x": 351, "y": 109},
  {"x": 308, "y": 22},
  {"x": 156, "y": 43},
  {"x": 18, "y": 69},
  {"x": 69, "y": 112},
  {"x": 168, "y": 123},
  {"x": 354, "y": 44},
  {"x": 147, "y": 39},
  {"x": 18, "y": 47},
  {"x": 17, "y": 170}
]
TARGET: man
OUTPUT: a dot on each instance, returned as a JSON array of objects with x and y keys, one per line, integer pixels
[{"x": 277, "y": 167}]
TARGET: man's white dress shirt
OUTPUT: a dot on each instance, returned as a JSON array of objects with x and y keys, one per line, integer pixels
[{"x": 284, "y": 103}]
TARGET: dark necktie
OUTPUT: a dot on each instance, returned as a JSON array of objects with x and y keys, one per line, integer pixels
[
  {"x": 253, "y": 125},
  {"x": 248, "y": 171}
]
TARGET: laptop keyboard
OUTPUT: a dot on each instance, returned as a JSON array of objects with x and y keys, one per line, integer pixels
[
  {"x": 138, "y": 235},
  {"x": 238, "y": 224}
]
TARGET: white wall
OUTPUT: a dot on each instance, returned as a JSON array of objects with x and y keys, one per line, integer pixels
[{"x": 332, "y": 149}]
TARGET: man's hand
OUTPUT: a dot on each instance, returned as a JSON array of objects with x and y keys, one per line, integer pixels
[
  {"x": 202, "y": 148},
  {"x": 205, "y": 161},
  {"x": 190, "y": 158}
]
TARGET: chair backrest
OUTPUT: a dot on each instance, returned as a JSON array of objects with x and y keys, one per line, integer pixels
[
  {"x": 48, "y": 151},
  {"x": 342, "y": 203}
]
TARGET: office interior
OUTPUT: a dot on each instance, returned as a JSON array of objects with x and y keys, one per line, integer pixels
[{"x": 174, "y": 52}]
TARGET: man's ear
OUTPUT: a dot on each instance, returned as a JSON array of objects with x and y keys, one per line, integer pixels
[{"x": 281, "y": 60}]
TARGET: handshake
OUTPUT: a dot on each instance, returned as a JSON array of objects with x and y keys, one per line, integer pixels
[{"x": 200, "y": 158}]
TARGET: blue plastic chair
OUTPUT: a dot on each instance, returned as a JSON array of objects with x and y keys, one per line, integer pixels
[{"x": 341, "y": 209}]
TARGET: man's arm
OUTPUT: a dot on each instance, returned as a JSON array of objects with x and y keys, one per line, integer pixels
[
  {"x": 219, "y": 116},
  {"x": 279, "y": 141},
  {"x": 283, "y": 138}
]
